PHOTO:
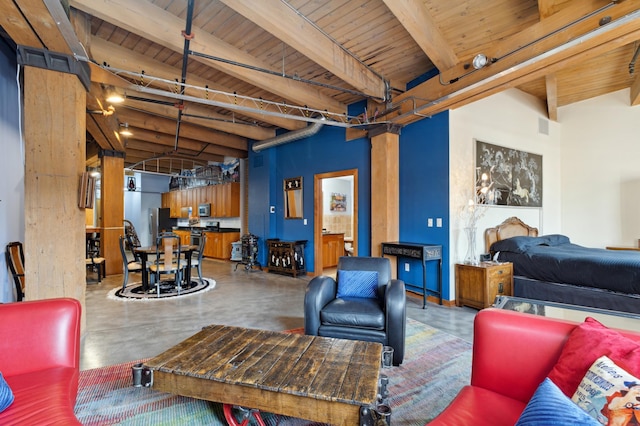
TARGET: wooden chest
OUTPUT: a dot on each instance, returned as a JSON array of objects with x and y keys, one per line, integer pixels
[{"x": 478, "y": 285}]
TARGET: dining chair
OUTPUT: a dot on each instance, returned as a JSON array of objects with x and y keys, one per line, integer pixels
[
  {"x": 196, "y": 260},
  {"x": 129, "y": 265},
  {"x": 168, "y": 260},
  {"x": 15, "y": 261},
  {"x": 132, "y": 239}
]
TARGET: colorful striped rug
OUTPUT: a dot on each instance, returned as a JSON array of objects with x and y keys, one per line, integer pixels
[{"x": 435, "y": 368}]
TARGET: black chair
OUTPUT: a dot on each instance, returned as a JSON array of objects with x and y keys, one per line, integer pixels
[
  {"x": 196, "y": 260},
  {"x": 132, "y": 239},
  {"x": 15, "y": 261},
  {"x": 363, "y": 303},
  {"x": 128, "y": 265}
]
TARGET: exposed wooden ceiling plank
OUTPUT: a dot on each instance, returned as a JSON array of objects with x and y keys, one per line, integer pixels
[
  {"x": 552, "y": 96},
  {"x": 44, "y": 25},
  {"x": 191, "y": 131},
  {"x": 213, "y": 120},
  {"x": 635, "y": 91},
  {"x": 415, "y": 17},
  {"x": 286, "y": 24},
  {"x": 120, "y": 58},
  {"x": 168, "y": 141},
  {"x": 97, "y": 133},
  {"x": 15, "y": 24},
  {"x": 165, "y": 28},
  {"x": 510, "y": 68},
  {"x": 108, "y": 124}
]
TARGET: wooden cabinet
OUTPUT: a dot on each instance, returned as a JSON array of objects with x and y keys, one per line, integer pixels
[
  {"x": 185, "y": 236},
  {"x": 218, "y": 244},
  {"x": 286, "y": 257},
  {"x": 224, "y": 199},
  {"x": 478, "y": 285},
  {"x": 332, "y": 249}
]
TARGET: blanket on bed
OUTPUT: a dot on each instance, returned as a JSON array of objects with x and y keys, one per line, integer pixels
[{"x": 553, "y": 258}]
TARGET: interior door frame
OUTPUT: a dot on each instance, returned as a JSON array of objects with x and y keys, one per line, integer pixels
[{"x": 318, "y": 214}]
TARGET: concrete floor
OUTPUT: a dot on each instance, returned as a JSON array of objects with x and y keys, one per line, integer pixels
[{"x": 119, "y": 331}]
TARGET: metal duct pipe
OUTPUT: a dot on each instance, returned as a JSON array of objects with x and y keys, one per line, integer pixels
[{"x": 288, "y": 137}]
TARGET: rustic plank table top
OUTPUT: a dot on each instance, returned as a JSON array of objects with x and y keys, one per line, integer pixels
[{"x": 311, "y": 377}]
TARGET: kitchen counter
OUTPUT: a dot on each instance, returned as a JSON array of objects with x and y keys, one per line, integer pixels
[{"x": 205, "y": 229}]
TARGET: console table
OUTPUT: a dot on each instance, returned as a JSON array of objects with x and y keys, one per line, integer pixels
[
  {"x": 423, "y": 252},
  {"x": 287, "y": 257}
]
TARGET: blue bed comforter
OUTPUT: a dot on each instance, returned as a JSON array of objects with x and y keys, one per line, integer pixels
[{"x": 555, "y": 259}]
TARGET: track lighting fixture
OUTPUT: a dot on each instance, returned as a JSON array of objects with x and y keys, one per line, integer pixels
[
  {"x": 124, "y": 130},
  {"x": 480, "y": 61},
  {"x": 113, "y": 96}
]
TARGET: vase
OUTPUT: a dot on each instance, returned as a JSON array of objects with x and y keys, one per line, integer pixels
[{"x": 471, "y": 258}]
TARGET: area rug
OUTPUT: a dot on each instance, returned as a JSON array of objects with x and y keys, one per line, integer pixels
[
  {"x": 436, "y": 366},
  {"x": 135, "y": 292}
]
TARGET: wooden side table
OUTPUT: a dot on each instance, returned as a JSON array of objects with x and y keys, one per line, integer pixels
[{"x": 478, "y": 285}]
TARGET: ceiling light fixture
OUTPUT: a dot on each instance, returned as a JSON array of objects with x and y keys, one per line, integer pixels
[
  {"x": 124, "y": 130},
  {"x": 480, "y": 61},
  {"x": 113, "y": 96}
]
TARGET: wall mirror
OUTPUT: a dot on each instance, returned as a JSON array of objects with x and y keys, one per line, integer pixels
[{"x": 293, "y": 198}]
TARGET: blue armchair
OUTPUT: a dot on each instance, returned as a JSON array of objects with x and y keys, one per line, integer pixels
[{"x": 362, "y": 303}]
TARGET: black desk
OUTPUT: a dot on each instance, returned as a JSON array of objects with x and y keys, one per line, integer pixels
[{"x": 423, "y": 252}]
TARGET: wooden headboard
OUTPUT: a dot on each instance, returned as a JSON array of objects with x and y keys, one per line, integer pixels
[{"x": 511, "y": 227}]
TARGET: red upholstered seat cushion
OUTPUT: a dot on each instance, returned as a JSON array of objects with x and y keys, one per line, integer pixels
[
  {"x": 479, "y": 407},
  {"x": 586, "y": 343},
  {"x": 46, "y": 397}
]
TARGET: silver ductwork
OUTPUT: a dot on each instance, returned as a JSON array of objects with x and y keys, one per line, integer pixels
[{"x": 288, "y": 137}]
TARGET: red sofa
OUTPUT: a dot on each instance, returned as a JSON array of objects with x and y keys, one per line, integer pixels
[
  {"x": 40, "y": 360},
  {"x": 512, "y": 354}
]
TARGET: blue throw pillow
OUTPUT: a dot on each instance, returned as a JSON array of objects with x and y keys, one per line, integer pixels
[
  {"x": 6, "y": 396},
  {"x": 516, "y": 244},
  {"x": 555, "y": 239},
  {"x": 357, "y": 283},
  {"x": 550, "y": 407}
]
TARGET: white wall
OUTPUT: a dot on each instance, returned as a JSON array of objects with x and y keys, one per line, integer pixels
[
  {"x": 601, "y": 171},
  {"x": 509, "y": 119}
]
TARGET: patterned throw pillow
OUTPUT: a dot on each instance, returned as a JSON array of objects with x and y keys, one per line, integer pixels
[
  {"x": 549, "y": 406},
  {"x": 609, "y": 394},
  {"x": 357, "y": 284},
  {"x": 6, "y": 396}
]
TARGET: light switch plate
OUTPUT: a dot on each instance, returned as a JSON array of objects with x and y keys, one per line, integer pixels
[
  {"x": 439, "y": 222},
  {"x": 430, "y": 222}
]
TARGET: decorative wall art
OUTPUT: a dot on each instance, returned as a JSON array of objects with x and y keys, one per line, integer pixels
[
  {"x": 507, "y": 176},
  {"x": 338, "y": 202}
]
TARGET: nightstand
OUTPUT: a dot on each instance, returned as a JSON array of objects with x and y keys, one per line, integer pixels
[{"x": 478, "y": 285}]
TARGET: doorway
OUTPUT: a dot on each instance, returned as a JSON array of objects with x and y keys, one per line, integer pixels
[{"x": 343, "y": 217}]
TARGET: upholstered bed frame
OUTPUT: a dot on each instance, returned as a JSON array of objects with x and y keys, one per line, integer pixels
[{"x": 552, "y": 291}]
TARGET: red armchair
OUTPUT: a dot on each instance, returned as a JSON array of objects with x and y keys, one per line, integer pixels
[
  {"x": 40, "y": 360},
  {"x": 512, "y": 354}
]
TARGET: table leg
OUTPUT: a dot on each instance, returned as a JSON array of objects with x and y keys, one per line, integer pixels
[
  {"x": 187, "y": 273},
  {"x": 424, "y": 284},
  {"x": 145, "y": 271}
]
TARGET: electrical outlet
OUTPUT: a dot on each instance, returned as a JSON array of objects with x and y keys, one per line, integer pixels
[
  {"x": 406, "y": 267},
  {"x": 272, "y": 209},
  {"x": 430, "y": 222},
  {"x": 439, "y": 222}
]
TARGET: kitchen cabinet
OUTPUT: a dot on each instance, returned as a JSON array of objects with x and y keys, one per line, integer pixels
[
  {"x": 185, "y": 236},
  {"x": 218, "y": 244},
  {"x": 332, "y": 249},
  {"x": 224, "y": 199}
]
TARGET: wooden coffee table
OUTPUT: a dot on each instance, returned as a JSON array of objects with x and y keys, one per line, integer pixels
[{"x": 310, "y": 377}]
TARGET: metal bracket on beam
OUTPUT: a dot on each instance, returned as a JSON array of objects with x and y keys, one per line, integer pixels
[
  {"x": 54, "y": 61},
  {"x": 385, "y": 127},
  {"x": 111, "y": 153}
]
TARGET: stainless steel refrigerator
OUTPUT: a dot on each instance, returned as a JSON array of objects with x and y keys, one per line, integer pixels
[{"x": 159, "y": 222}]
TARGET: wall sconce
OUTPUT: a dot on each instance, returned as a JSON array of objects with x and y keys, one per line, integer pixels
[
  {"x": 124, "y": 130},
  {"x": 113, "y": 96}
]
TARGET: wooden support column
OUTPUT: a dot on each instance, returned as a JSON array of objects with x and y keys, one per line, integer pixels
[
  {"x": 55, "y": 140},
  {"x": 385, "y": 153},
  {"x": 112, "y": 208}
]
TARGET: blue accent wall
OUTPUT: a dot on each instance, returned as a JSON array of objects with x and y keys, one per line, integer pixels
[
  {"x": 424, "y": 193},
  {"x": 424, "y": 190}
]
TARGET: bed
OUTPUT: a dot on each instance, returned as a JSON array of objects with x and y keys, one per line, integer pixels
[{"x": 551, "y": 268}]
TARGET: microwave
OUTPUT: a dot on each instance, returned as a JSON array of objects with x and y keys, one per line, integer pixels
[{"x": 204, "y": 210}]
